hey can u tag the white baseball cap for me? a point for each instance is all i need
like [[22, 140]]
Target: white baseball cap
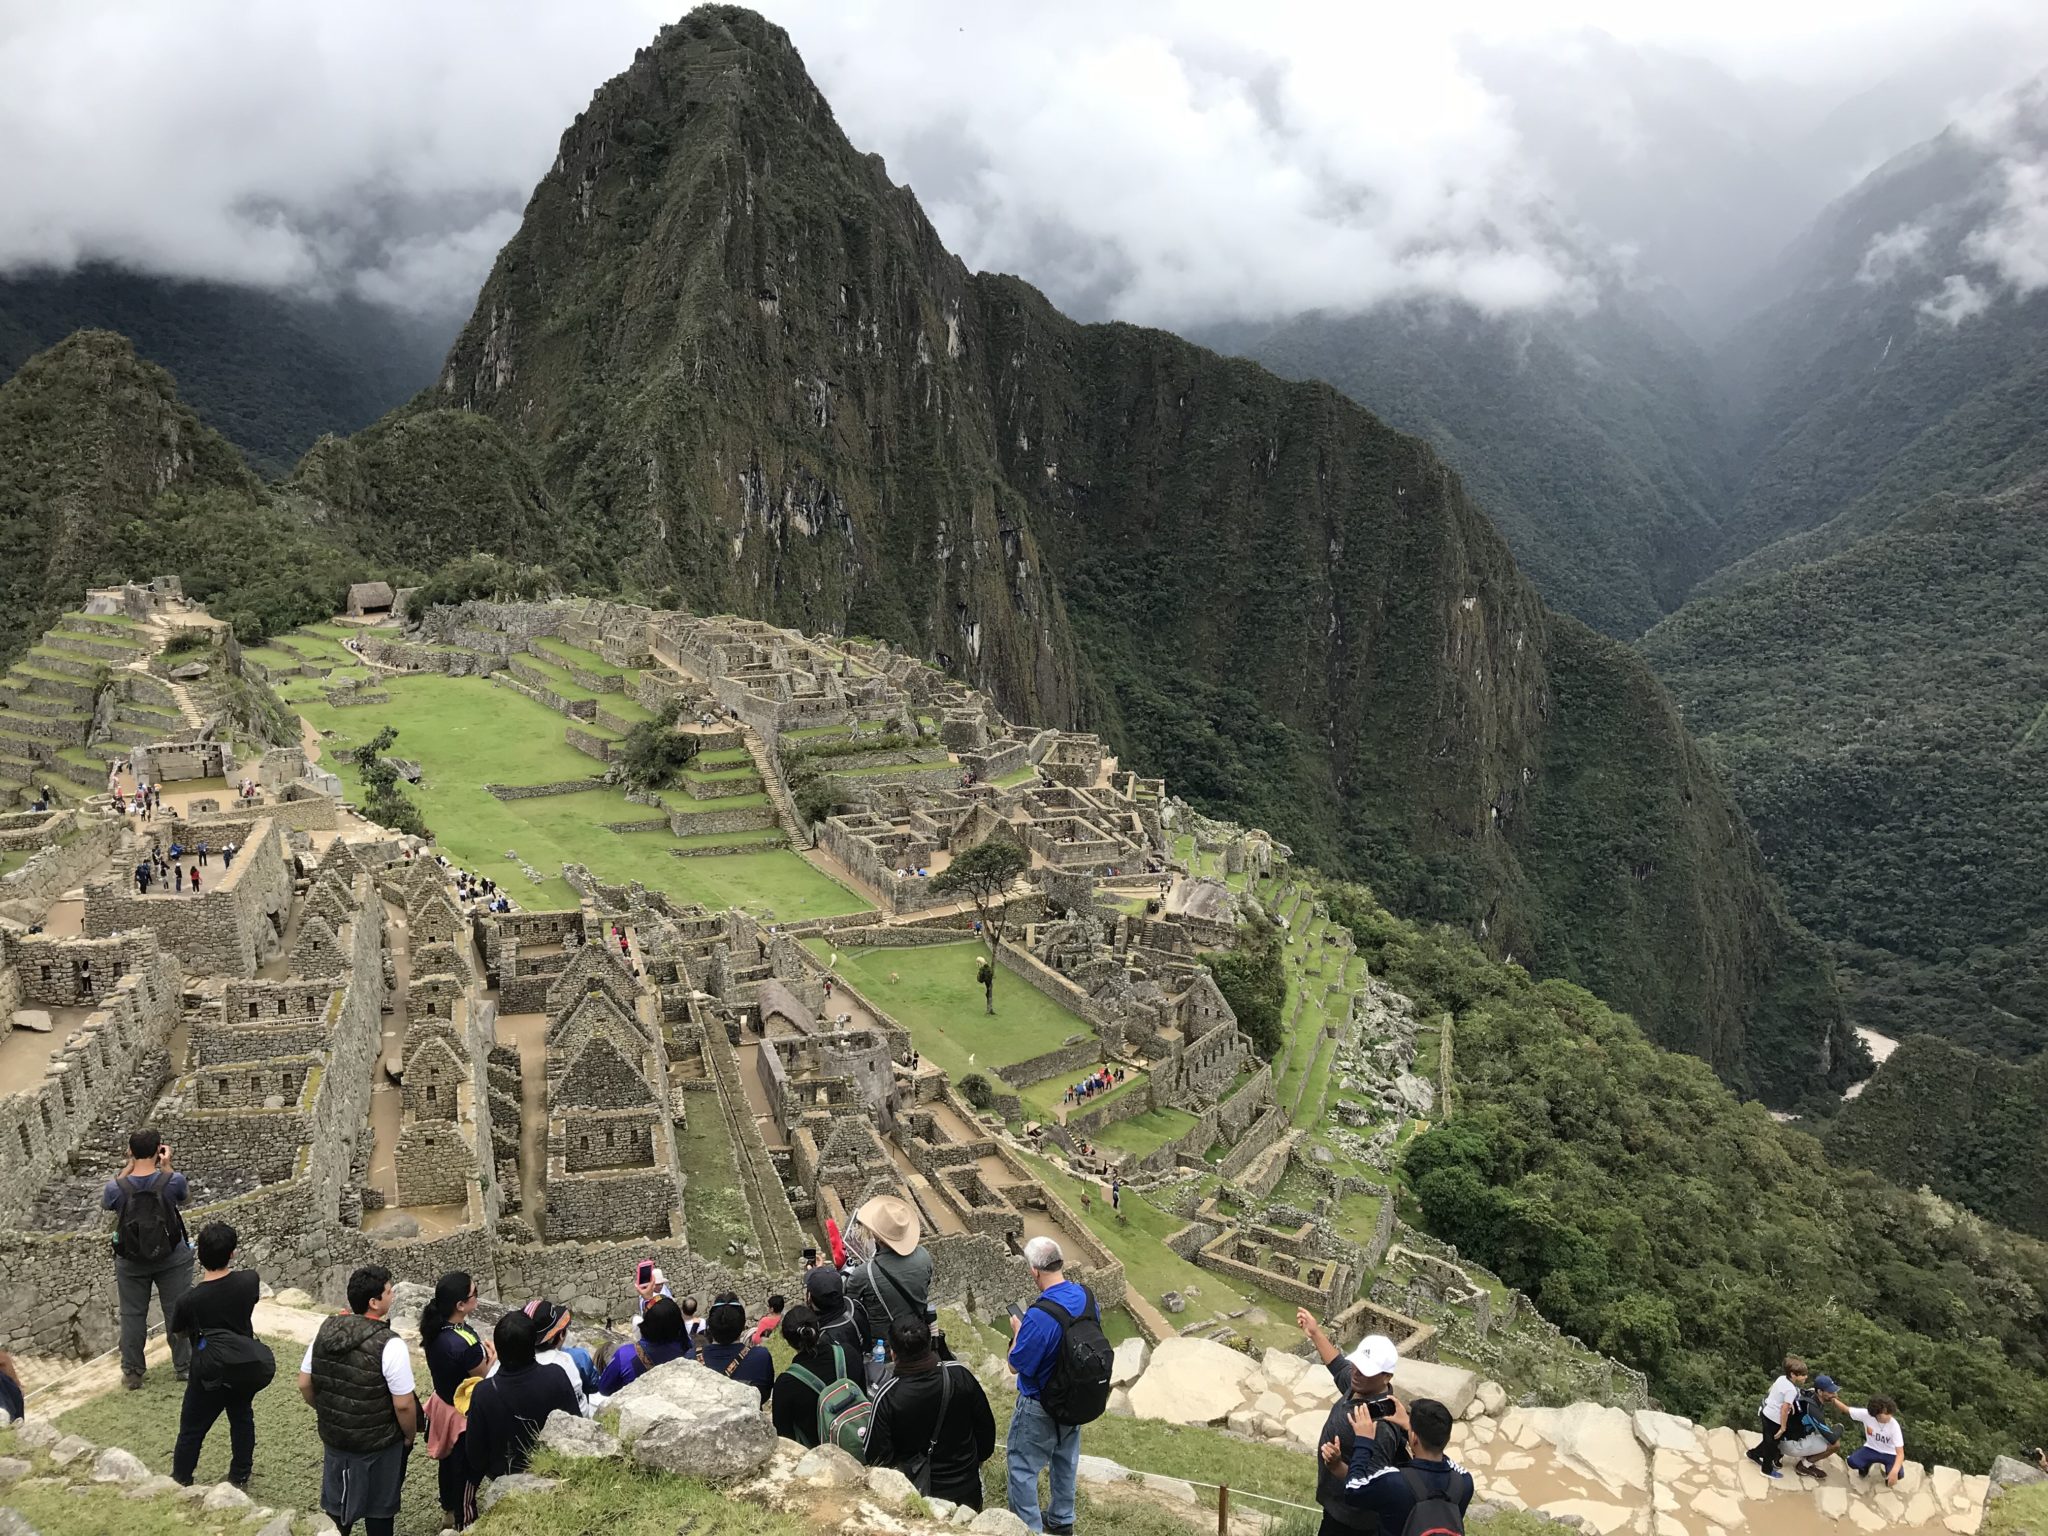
[[1375, 1356]]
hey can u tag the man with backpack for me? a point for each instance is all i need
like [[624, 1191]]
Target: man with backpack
[[150, 1249], [1428, 1495], [230, 1365], [1062, 1360]]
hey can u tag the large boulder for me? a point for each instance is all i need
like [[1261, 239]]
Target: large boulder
[[1600, 1442], [577, 1437], [114, 1465], [1448, 1384], [2008, 1473], [1129, 1362], [683, 1419], [1192, 1381], [1666, 1432], [1285, 1371], [510, 1486]]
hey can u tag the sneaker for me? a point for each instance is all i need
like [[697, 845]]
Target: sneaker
[[1774, 1474], [131, 1383]]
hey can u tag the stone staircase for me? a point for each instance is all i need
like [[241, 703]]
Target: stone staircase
[[47, 707]]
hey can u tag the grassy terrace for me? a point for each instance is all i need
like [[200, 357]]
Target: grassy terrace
[[587, 661], [714, 1208], [1146, 1133], [466, 732], [1044, 1097], [936, 998]]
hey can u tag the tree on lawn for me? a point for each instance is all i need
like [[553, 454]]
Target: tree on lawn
[[984, 875], [383, 801]]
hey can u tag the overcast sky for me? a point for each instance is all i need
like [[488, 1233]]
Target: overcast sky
[[1170, 163]]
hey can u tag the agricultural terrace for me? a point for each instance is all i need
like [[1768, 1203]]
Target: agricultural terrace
[[465, 732]]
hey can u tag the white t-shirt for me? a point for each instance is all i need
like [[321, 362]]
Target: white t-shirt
[[396, 1362], [560, 1358], [1782, 1392], [1885, 1439]]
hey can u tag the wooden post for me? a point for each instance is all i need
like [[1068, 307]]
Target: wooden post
[[1223, 1510]]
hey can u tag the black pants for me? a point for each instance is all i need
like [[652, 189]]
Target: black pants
[[202, 1406], [1768, 1455]]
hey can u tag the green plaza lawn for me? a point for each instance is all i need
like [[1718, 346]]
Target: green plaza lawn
[[936, 998], [466, 732]]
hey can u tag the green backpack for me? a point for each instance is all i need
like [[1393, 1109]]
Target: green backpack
[[843, 1407]]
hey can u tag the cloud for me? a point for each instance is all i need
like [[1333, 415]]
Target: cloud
[[2015, 241], [1168, 162], [1959, 299], [1891, 253]]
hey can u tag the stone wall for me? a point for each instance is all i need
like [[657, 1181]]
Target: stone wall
[[535, 791], [1076, 1056], [588, 744], [747, 818], [60, 867], [34, 829], [230, 929], [435, 1164], [605, 1204], [1046, 981]]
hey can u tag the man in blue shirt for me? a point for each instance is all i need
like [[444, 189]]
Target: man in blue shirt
[[169, 1270], [1391, 1492], [725, 1352], [1037, 1443]]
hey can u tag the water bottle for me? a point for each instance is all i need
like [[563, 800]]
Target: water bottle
[[881, 1355]]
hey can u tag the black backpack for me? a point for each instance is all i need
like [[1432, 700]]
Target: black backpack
[[232, 1362], [146, 1231], [1077, 1390], [1435, 1513]]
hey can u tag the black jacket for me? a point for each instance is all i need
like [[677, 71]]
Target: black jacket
[[506, 1412], [1330, 1485], [906, 1412], [351, 1399], [794, 1404]]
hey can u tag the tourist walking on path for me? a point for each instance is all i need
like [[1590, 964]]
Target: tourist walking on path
[[1061, 1358], [230, 1365], [456, 1361], [1364, 1379], [195, 879], [178, 870], [509, 1407], [1425, 1482], [931, 1420], [891, 1276], [358, 1377], [150, 1250], [1775, 1413]]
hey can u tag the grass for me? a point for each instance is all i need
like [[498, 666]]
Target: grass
[[938, 1000], [287, 1469], [13, 859], [1151, 1268], [466, 732], [714, 1208], [561, 651], [1015, 777], [1146, 1133]]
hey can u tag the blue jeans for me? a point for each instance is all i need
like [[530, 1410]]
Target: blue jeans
[[1037, 1443], [1863, 1459]]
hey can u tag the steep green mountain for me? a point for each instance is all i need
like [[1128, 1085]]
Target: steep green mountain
[[750, 376], [104, 475], [1962, 1123], [1889, 359], [1883, 717], [268, 371], [1590, 438]]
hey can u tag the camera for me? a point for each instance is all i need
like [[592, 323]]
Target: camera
[[1381, 1407]]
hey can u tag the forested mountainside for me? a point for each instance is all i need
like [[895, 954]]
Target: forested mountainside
[[751, 378], [1591, 439], [1899, 349], [1964, 1124], [1880, 715], [268, 371], [105, 475]]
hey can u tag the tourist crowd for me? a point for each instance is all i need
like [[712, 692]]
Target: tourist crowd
[[868, 1370]]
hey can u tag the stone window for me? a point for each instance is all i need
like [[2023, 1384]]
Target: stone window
[[433, 1093], [49, 973], [28, 1148], [221, 1083], [48, 1128], [65, 1083], [252, 1008], [280, 1007]]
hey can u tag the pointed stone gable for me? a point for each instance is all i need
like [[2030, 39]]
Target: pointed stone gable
[[343, 862], [435, 916], [1202, 1007], [593, 1015], [601, 1078], [593, 968], [316, 953], [434, 1075], [329, 898]]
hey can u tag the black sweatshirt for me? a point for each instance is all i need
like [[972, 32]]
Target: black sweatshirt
[[506, 1413], [907, 1409]]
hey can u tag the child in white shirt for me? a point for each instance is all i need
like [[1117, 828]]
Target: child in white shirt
[[1884, 1440]]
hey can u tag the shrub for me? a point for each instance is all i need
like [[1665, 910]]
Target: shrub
[[653, 752], [978, 1091]]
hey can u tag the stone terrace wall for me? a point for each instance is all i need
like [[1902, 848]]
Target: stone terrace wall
[[42, 1127], [59, 868], [1050, 983], [227, 930]]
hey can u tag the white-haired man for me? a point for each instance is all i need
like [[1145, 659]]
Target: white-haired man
[[1037, 1441]]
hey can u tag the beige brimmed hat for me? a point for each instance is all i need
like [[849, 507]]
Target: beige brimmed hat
[[893, 1220]]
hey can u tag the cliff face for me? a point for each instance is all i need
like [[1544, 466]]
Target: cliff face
[[751, 376]]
